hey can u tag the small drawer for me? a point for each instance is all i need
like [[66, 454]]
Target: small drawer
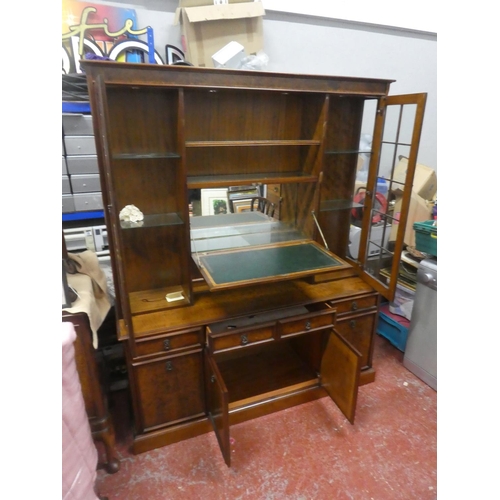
[[85, 183], [82, 164], [240, 337], [80, 145], [66, 187], [170, 342], [77, 124], [68, 204], [317, 320], [353, 305], [88, 201]]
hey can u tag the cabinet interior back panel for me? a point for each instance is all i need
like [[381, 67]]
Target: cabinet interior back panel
[[163, 251], [152, 185], [232, 115], [241, 160], [143, 120]]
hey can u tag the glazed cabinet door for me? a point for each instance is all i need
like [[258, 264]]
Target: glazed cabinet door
[[340, 370], [396, 137], [218, 405]]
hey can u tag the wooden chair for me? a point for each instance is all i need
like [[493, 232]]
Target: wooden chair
[[262, 205]]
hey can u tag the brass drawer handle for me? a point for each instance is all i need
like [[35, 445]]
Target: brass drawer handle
[[244, 340], [308, 325], [169, 367], [166, 344], [354, 306]]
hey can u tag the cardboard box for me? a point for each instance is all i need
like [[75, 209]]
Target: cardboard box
[[419, 210], [424, 182], [207, 28]]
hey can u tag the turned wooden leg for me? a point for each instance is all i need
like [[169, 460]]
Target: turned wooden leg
[[107, 437], [112, 464]]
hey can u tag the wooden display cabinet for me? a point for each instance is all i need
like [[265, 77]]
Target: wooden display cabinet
[[232, 316]]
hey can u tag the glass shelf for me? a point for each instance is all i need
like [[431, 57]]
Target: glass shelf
[[348, 152], [330, 205], [145, 156], [252, 143], [155, 220]]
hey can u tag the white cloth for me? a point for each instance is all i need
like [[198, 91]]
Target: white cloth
[[90, 284]]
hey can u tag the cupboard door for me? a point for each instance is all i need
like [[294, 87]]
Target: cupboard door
[[218, 406], [340, 369], [358, 331], [396, 136], [170, 389]]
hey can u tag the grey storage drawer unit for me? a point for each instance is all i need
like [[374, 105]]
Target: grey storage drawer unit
[[88, 183], [76, 124], [81, 181], [68, 204], [66, 187], [88, 201], [80, 145], [82, 164]]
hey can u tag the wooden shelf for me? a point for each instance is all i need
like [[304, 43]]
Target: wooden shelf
[[154, 300], [200, 182]]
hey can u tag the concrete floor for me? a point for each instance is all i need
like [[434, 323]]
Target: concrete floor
[[306, 452]]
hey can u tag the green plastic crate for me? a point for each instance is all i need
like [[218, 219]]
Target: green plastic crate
[[426, 237]]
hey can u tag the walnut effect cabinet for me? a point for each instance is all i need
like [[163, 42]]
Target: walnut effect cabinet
[[230, 316]]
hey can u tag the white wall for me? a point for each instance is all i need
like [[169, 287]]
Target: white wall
[[297, 43]]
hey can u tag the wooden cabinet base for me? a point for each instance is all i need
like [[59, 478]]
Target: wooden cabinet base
[[173, 434]]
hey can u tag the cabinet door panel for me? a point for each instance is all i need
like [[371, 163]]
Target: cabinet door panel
[[218, 406], [397, 132], [340, 369], [170, 389], [358, 331]]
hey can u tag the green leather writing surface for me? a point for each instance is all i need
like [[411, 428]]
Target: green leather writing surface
[[267, 262]]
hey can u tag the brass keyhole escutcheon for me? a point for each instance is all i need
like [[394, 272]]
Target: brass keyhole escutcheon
[[169, 366], [308, 325], [354, 306], [166, 344], [244, 340], [352, 324]]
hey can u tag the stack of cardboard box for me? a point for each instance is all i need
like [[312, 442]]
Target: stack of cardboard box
[[208, 26], [423, 196]]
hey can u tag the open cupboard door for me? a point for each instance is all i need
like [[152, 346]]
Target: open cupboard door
[[340, 370], [396, 139], [218, 406]]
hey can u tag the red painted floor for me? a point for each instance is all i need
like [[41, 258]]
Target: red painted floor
[[307, 452]]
